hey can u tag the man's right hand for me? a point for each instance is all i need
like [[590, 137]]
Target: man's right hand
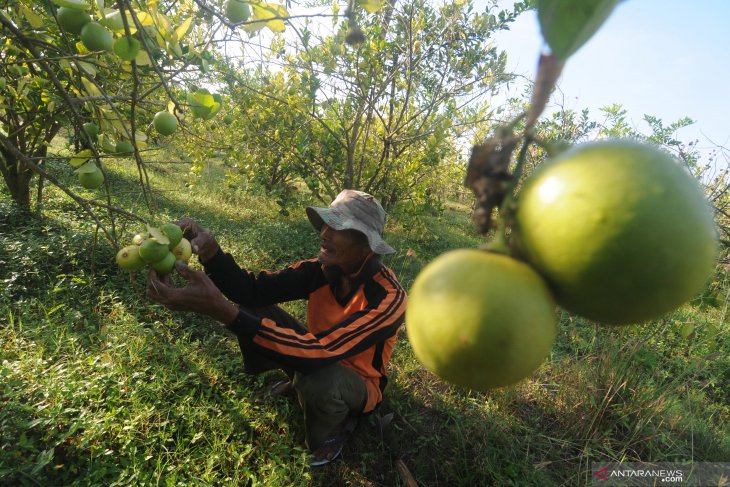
[[201, 240]]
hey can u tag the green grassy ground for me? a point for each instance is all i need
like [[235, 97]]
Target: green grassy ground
[[99, 386]]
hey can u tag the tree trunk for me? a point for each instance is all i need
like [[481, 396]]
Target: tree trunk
[[16, 174], [17, 178]]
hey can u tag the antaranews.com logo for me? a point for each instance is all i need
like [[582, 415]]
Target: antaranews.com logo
[[630, 474]]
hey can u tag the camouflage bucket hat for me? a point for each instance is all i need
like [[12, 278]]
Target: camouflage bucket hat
[[354, 210]]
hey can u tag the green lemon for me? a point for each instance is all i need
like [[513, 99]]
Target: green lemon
[[126, 48], [128, 258], [165, 123], [620, 230], [96, 37], [124, 148], [91, 180], [173, 232], [152, 251], [479, 319], [92, 130], [72, 19], [183, 251], [166, 264], [237, 11]]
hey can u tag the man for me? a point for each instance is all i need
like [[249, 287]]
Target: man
[[355, 308]]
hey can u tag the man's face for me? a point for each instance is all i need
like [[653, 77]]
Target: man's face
[[343, 248]]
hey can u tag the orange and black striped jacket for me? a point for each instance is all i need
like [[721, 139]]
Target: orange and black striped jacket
[[358, 331]]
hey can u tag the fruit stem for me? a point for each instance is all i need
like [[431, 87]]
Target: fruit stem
[[506, 209]]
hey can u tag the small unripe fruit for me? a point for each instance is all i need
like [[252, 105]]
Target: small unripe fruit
[[92, 130], [91, 180], [124, 148], [96, 37], [237, 11], [183, 251], [165, 123], [72, 20], [152, 251], [166, 264], [128, 258], [173, 232]]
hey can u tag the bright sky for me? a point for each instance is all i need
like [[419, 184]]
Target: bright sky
[[667, 58]]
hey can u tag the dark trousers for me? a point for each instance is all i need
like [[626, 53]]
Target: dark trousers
[[328, 396]]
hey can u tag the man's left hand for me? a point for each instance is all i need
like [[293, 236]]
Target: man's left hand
[[199, 295]]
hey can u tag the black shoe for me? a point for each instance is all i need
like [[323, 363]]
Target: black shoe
[[332, 447]]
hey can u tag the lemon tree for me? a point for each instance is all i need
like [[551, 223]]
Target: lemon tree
[[620, 230], [480, 319]]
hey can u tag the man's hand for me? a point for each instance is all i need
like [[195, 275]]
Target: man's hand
[[201, 240], [200, 295]]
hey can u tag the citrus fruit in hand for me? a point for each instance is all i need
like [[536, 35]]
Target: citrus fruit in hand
[[165, 123], [152, 251], [172, 232], [164, 265], [620, 230], [128, 258], [183, 250], [480, 319]]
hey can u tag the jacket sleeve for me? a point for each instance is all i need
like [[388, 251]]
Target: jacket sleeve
[[265, 288], [306, 351]]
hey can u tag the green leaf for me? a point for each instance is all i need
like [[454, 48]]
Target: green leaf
[[183, 29], [203, 104], [90, 87], [687, 330], [88, 67], [143, 59], [174, 48], [264, 11], [87, 167], [126, 48], [106, 143], [33, 18], [568, 24], [370, 6], [80, 158], [157, 234]]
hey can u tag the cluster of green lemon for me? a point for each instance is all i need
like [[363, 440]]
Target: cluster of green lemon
[[158, 247], [98, 35], [616, 231]]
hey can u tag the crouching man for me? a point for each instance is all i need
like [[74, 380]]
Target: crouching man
[[337, 361]]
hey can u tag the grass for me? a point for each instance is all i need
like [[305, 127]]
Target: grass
[[100, 386]]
